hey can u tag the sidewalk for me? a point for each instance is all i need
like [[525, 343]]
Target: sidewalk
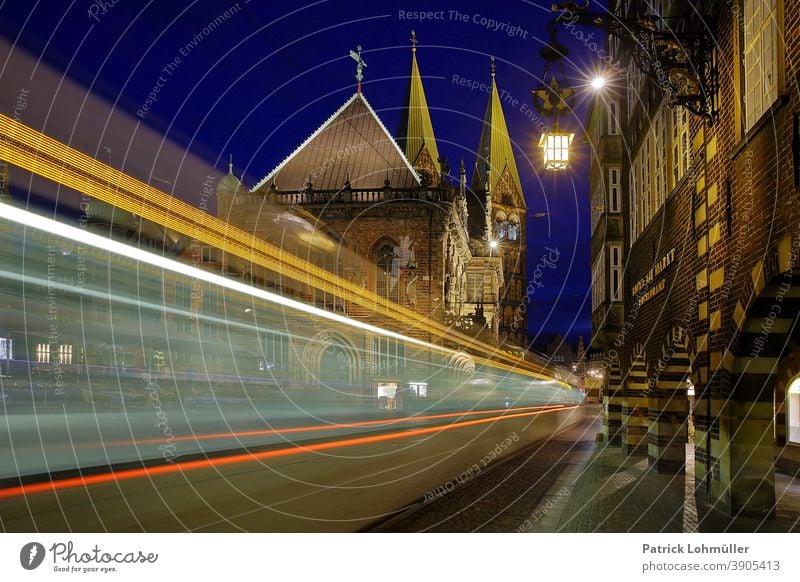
[[602, 490]]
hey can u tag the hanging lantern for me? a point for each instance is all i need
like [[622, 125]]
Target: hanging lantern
[[556, 149], [553, 100]]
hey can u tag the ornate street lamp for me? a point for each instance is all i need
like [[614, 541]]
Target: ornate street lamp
[[552, 100]]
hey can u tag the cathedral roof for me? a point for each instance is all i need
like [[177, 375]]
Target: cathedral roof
[[416, 129], [352, 144], [495, 155]]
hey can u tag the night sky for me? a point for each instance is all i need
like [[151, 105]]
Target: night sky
[[269, 74]]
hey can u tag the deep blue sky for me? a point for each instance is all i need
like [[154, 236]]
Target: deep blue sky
[[272, 72]]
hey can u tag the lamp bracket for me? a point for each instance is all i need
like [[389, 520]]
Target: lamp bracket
[[678, 57]]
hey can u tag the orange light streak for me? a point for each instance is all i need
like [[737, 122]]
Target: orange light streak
[[182, 467]]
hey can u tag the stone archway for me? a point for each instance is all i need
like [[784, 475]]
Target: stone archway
[[331, 360], [667, 433]]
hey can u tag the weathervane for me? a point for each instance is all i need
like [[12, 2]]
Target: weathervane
[[360, 64]]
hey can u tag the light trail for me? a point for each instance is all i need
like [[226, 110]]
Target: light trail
[[38, 153], [326, 427], [185, 466]]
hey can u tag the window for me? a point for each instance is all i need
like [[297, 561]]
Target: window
[[613, 118], [388, 354], [500, 226], [275, 348], [513, 228], [183, 295], [680, 144], [386, 284], [208, 254], [65, 354], [793, 412], [598, 281], [475, 287], [101, 311], [613, 189], [209, 329], [43, 353], [183, 324], [209, 301], [6, 348], [648, 177], [761, 55], [616, 272], [151, 303]]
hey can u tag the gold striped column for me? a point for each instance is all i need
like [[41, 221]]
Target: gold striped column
[[667, 433], [612, 406], [635, 405]]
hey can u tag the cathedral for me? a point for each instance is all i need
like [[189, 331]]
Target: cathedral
[[451, 249]]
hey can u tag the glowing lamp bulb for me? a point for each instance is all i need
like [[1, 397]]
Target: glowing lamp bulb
[[598, 83], [493, 244]]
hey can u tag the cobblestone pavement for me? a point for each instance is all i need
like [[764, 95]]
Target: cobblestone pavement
[[502, 499], [614, 493], [570, 484]]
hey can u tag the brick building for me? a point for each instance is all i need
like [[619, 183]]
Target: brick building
[[695, 248]]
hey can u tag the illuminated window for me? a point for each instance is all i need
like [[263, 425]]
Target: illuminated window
[[65, 354], [681, 153], [6, 348], [500, 226], [43, 353], [513, 228], [762, 51], [386, 284], [419, 388], [793, 412]]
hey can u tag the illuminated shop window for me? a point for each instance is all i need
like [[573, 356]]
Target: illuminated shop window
[[43, 353], [65, 354], [793, 411], [6, 348]]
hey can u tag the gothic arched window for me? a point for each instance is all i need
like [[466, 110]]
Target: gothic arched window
[[513, 228], [386, 276], [500, 226]]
